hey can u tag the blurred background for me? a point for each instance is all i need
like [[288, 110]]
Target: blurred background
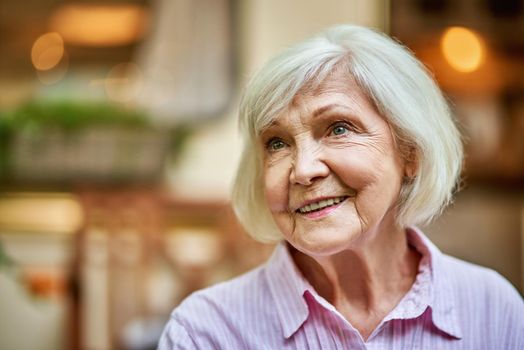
[[118, 144]]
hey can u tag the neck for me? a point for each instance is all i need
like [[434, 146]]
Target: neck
[[371, 277]]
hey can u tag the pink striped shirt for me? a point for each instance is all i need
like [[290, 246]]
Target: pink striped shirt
[[452, 305]]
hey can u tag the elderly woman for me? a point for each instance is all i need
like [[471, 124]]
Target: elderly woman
[[348, 144]]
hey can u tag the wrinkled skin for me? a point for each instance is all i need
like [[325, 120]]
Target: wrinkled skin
[[332, 142]]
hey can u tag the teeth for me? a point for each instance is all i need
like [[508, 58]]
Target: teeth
[[321, 204]]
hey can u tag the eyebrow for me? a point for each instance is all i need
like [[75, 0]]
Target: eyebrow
[[273, 123], [316, 112], [328, 107]]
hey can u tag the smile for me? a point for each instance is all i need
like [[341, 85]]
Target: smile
[[322, 204]]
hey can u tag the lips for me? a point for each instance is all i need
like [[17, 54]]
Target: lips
[[321, 204]]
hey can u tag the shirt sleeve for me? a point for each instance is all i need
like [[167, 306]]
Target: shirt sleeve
[[175, 336]]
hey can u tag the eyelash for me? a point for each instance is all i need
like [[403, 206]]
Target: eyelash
[[347, 126], [338, 124], [271, 141]]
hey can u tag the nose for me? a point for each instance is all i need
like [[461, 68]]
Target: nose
[[308, 167]]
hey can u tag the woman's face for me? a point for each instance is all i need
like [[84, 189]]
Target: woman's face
[[332, 171]]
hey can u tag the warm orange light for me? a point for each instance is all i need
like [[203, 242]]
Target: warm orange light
[[57, 73], [463, 49], [47, 51], [33, 212], [99, 25]]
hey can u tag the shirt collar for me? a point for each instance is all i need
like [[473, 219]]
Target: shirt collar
[[431, 289], [441, 298], [287, 286]]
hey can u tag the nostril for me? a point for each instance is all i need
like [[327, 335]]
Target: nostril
[[308, 164]]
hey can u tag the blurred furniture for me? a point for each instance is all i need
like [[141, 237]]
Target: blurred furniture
[[37, 231], [112, 262], [140, 253]]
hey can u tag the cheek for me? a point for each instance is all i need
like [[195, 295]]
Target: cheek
[[354, 169], [276, 187], [368, 172]]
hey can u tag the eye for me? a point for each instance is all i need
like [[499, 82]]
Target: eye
[[275, 144], [340, 129]]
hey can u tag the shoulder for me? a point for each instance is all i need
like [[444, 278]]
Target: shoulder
[[228, 295], [213, 317], [176, 336], [484, 283], [487, 301]]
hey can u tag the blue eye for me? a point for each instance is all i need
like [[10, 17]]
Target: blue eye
[[275, 144], [339, 130]]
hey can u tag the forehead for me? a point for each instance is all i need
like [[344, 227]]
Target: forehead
[[336, 82], [337, 90]]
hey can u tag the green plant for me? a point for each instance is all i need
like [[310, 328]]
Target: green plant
[[70, 115], [35, 118]]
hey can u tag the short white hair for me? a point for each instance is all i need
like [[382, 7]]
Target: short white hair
[[404, 93]]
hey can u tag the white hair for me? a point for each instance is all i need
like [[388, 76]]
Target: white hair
[[403, 92]]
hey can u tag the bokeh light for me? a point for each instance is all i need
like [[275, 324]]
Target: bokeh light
[[463, 49], [99, 25], [47, 51], [53, 212], [55, 74]]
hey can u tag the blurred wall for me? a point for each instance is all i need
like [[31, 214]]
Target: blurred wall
[[268, 26]]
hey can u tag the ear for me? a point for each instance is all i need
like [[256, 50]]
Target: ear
[[411, 163]]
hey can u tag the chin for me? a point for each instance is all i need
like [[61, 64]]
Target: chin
[[323, 242]]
